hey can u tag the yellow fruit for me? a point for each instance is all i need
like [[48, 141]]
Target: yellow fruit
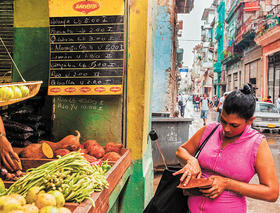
[[18, 197], [60, 201], [7, 93], [1, 96], [45, 199], [2, 186], [32, 194], [64, 210], [17, 92], [49, 209], [16, 211], [30, 208], [8, 204], [24, 90]]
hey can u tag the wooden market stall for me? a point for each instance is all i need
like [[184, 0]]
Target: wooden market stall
[[117, 177], [80, 50]]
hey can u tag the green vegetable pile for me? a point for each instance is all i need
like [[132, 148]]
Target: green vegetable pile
[[72, 175]]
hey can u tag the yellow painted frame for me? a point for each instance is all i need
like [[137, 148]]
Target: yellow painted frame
[[139, 78]]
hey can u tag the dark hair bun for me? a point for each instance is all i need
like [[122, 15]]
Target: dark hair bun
[[247, 89]]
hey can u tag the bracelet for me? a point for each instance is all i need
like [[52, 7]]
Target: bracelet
[[2, 134]]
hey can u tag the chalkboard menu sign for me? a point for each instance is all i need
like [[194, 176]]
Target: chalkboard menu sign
[[86, 52]]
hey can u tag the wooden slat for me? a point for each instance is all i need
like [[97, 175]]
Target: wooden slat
[[7, 34]]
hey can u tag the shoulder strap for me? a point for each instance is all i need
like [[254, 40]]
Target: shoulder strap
[[204, 142]]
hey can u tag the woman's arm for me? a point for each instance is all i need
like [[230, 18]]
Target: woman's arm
[[185, 153], [7, 154], [267, 189]]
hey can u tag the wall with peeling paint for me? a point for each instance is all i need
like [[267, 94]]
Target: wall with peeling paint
[[163, 54]]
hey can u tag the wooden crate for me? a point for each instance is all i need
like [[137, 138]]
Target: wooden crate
[[101, 199]]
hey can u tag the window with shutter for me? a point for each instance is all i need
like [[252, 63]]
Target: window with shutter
[[7, 35]]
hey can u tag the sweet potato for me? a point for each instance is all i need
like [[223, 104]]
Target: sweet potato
[[113, 147], [96, 151], [111, 156], [47, 150], [61, 152], [89, 158], [38, 151], [89, 143], [70, 142], [85, 151]]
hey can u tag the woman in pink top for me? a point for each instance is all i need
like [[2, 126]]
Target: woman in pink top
[[231, 157]]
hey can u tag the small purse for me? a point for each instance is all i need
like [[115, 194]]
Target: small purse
[[168, 198]]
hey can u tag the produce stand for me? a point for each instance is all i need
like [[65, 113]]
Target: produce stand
[[117, 176]]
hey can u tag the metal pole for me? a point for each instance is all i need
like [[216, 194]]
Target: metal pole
[[12, 60]]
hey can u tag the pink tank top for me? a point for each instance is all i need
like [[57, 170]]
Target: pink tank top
[[236, 161]]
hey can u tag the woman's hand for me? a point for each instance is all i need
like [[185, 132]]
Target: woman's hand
[[191, 169], [9, 157], [218, 186]]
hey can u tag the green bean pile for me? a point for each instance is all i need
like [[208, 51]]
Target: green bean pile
[[72, 175]]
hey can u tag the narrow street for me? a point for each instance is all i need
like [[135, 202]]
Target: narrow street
[[254, 206]]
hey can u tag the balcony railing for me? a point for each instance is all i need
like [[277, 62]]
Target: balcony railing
[[229, 51], [271, 20]]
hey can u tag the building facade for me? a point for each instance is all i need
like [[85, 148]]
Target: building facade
[[165, 43], [268, 37]]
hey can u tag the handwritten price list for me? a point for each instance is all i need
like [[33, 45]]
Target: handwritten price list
[[86, 55]]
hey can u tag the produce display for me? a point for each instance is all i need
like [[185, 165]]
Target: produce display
[[70, 142], [42, 202], [78, 171], [91, 149], [72, 175], [13, 92]]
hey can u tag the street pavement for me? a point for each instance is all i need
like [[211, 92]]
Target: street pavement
[[253, 205]]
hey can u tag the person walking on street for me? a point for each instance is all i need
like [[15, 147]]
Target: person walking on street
[[268, 100], [204, 106], [220, 106], [182, 104], [278, 103], [233, 155], [197, 101], [216, 101]]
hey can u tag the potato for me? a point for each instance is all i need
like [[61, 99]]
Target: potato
[[111, 156], [61, 152], [113, 147]]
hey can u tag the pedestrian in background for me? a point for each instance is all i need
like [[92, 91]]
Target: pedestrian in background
[[216, 101], [278, 103], [220, 106], [268, 100], [204, 107], [232, 156], [197, 101], [182, 104]]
